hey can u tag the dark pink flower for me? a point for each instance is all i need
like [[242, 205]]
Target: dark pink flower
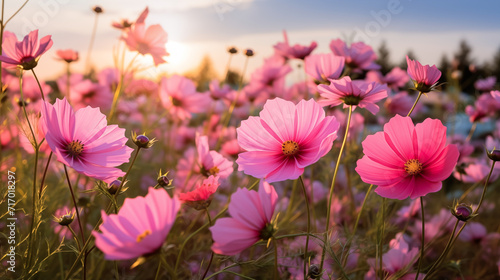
[[425, 77], [358, 56], [496, 95], [84, 141], [296, 51], [324, 66], [401, 103], [406, 160], [356, 93], [251, 220], [395, 79], [147, 41], [201, 196], [140, 227], [284, 139], [25, 53], [68, 55]]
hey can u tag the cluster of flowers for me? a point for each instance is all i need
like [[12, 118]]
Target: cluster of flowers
[[202, 134]]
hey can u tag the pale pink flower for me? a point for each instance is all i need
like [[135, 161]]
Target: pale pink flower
[[324, 66], [496, 95], [147, 41], [125, 23], [141, 87], [31, 90], [485, 84], [476, 170], [484, 106], [201, 196], [296, 51], [140, 227], [251, 220], [25, 53], [406, 160], [401, 103], [399, 257], [67, 55], [179, 96], [358, 56], [87, 93], [266, 79], [285, 139], [218, 90], [355, 93], [425, 77], [84, 141], [473, 232], [395, 79]]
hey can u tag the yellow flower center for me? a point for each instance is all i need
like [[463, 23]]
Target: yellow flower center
[[75, 148], [290, 148], [214, 171], [413, 167], [141, 236]]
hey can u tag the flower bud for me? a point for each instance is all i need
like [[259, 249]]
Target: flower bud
[[113, 186], [232, 50], [65, 219], [97, 9], [163, 180], [142, 141], [314, 272], [494, 154], [249, 52], [463, 212]]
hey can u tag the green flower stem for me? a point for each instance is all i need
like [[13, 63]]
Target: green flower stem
[[276, 271], [212, 253], [125, 178], [422, 245], [471, 131], [44, 175], [415, 104], [429, 272], [308, 227], [333, 186], [39, 85]]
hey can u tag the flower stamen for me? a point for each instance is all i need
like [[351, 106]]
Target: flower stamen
[[143, 235], [413, 167], [75, 148], [290, 148]]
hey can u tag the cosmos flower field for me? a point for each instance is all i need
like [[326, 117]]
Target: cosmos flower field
[[345, 171]]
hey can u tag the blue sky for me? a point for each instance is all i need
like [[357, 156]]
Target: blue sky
[[199, 27]]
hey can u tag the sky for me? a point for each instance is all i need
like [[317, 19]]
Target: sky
[[208, 27]]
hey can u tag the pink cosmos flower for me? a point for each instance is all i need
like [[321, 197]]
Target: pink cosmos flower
[[125, 23], [399, 257], [68, 55], [285, 139], [206, 164], [485, 84], [484, 106], [265, 79], [358, 56], [251, 214], [425, 77], [87, 93], [179, 96], [473, 232], [147, 41], [401, 103], [201, 196], [84, 141], [395, 79], [324, 66], [140, 227], [141, 87], [296, 51], [496, 95], [25, 53], [406, 160], [356, 93]]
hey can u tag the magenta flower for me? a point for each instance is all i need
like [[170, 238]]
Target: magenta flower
[[179, 96], [140, 227], [324, 66], [201, 197], [25, 53], [251, 213], [496, 95], [356, 93], [425, 77], [406, 160], [84, 141], [486, 84], [296, 51], [358, 56], [147, 41], [395, 79], [285, 139]]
